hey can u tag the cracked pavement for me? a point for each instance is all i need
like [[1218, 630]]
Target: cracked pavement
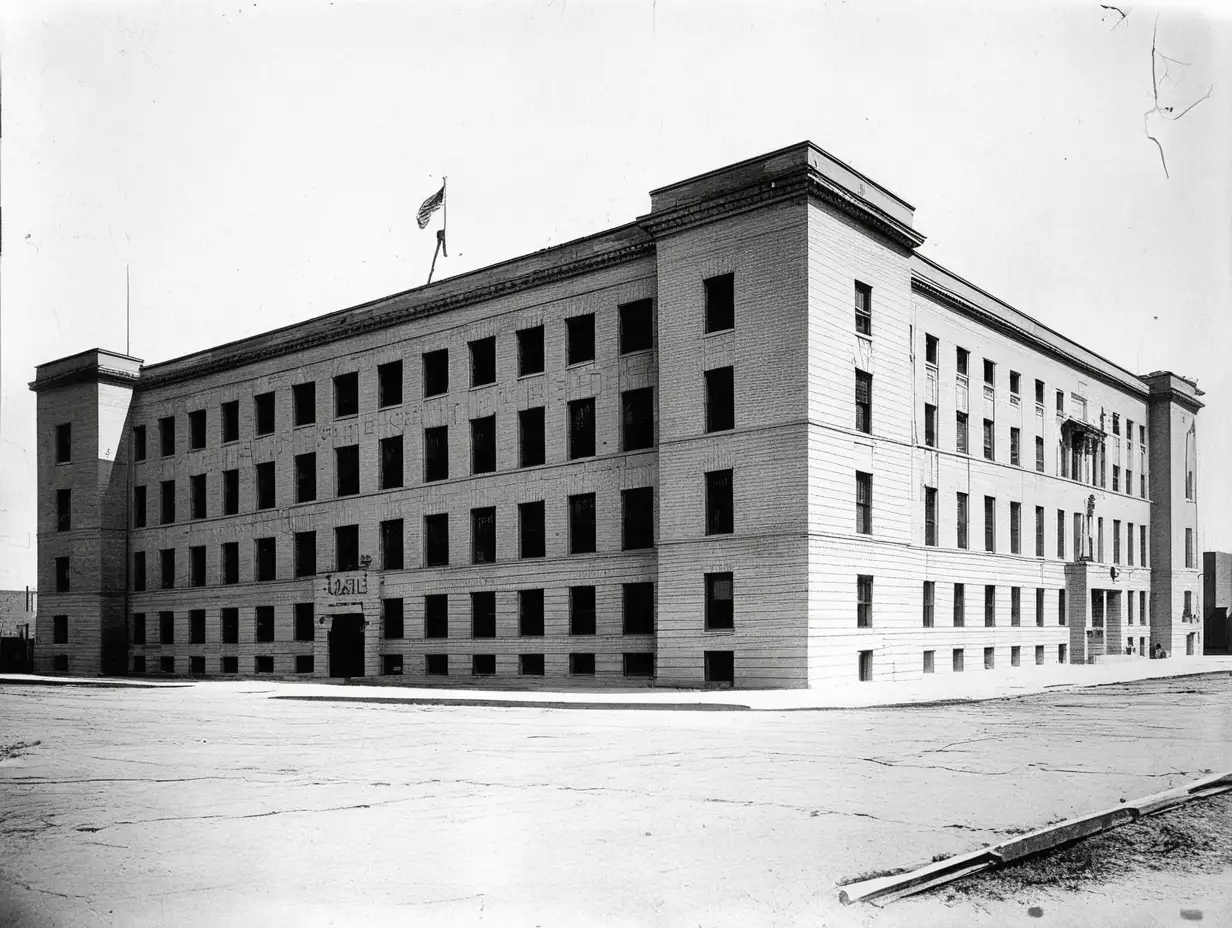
[[217, 805]]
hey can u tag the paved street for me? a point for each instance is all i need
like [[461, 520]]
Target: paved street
[[217, 804]]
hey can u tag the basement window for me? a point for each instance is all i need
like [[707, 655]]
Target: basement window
[[720, 666], [264, 663], [436, 665], [391, 664], [305, 663]]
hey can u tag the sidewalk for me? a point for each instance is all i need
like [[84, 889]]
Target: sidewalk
[[972, 686]]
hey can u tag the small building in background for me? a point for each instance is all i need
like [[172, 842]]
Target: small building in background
[[1217, 595], [18, 628]]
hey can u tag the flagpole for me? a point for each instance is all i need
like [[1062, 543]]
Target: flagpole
[[440, 236], [432, 269], [127, 315]]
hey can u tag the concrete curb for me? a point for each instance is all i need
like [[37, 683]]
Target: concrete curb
[[888, 888], [468, 702]]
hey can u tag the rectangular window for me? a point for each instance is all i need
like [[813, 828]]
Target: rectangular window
[[196, 565], [530, 437], [719, 611], [990, 606], [640, 665], [990, 523], [266, 566], [719, 666], [930, 349], [962, 358], [864, 402], [580, 339], [531, 529], [263, 413], [483, 445], [166, 664], [1039, 607], [1039, 531], [392, 619], [436, 665], [436, 616], [930, 425], [1015, 605], [436, 453], [1100, 527], [167, 509], [720, 302], [962, 443], [196, 626], [59, 629], [530, 665], [1188, 547], [1015, 528], [139, 628], [1116, 541], [637, 419], [1060, 402], [1129, 544], [230, 421], [196, 496], [1039, 654], [1060, 607], [305, 554], [263, 663], [638, 609], [530, 351], [1187, 610], [346, 547], [637, 518], [864, 309], [166, 436], [930, 602], [581, 610], [864, 601], [1015, 383], [929, 657], [1142, 545], [582, 664], [230, 620], [139, 443], [1015, 447], [138, 570], [719, 503], [306, 663], [582, 524], [1060, 534], [346, 463], [864, 503], [990, 440], [436, 540], [1129, 482], [1116, 479], [435, 372], [963, 520], [391, 462], [581, 428], [1039, 453], [64, 510], [720, 399], [1129, 602], [265, 624], [304, 403], [166, 628], [530, 613], [1061, 654], [306, 477], [1039, 393], [636, 326], [990, 372], [196, 429], [265, 485], [231, 562], [230, 492], [483, 535], [483, 615], [391, 545], [865, 667], [389, 384], [930, 516], [166, 568], [960, 605], [346, 395], [958, 660], [989, 658]]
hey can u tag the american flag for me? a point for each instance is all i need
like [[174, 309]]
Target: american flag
[[430, 206]]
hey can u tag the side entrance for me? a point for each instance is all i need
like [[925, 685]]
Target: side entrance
[[346, 645]]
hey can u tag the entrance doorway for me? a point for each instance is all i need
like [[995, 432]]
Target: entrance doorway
[[346, 646]]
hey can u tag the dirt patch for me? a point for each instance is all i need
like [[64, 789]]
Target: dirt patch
[[1196, 837], [17, 748]]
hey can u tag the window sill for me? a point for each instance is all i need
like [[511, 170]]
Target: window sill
[[726, 331], [348, 416], [529, 374], [576, 364], [637, 351]]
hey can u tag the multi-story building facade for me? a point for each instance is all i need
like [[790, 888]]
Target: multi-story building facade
[[752, 438]]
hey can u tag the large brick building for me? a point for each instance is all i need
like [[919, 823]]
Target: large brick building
[[751, 437]]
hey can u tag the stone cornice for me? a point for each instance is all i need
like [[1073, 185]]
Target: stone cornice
[[786, 186], [1005, 326], [380, 314], [85, 375]]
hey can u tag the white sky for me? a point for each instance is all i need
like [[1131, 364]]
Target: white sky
[[261, 163]]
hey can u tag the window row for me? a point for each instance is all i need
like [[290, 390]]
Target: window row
[[864, 660]]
